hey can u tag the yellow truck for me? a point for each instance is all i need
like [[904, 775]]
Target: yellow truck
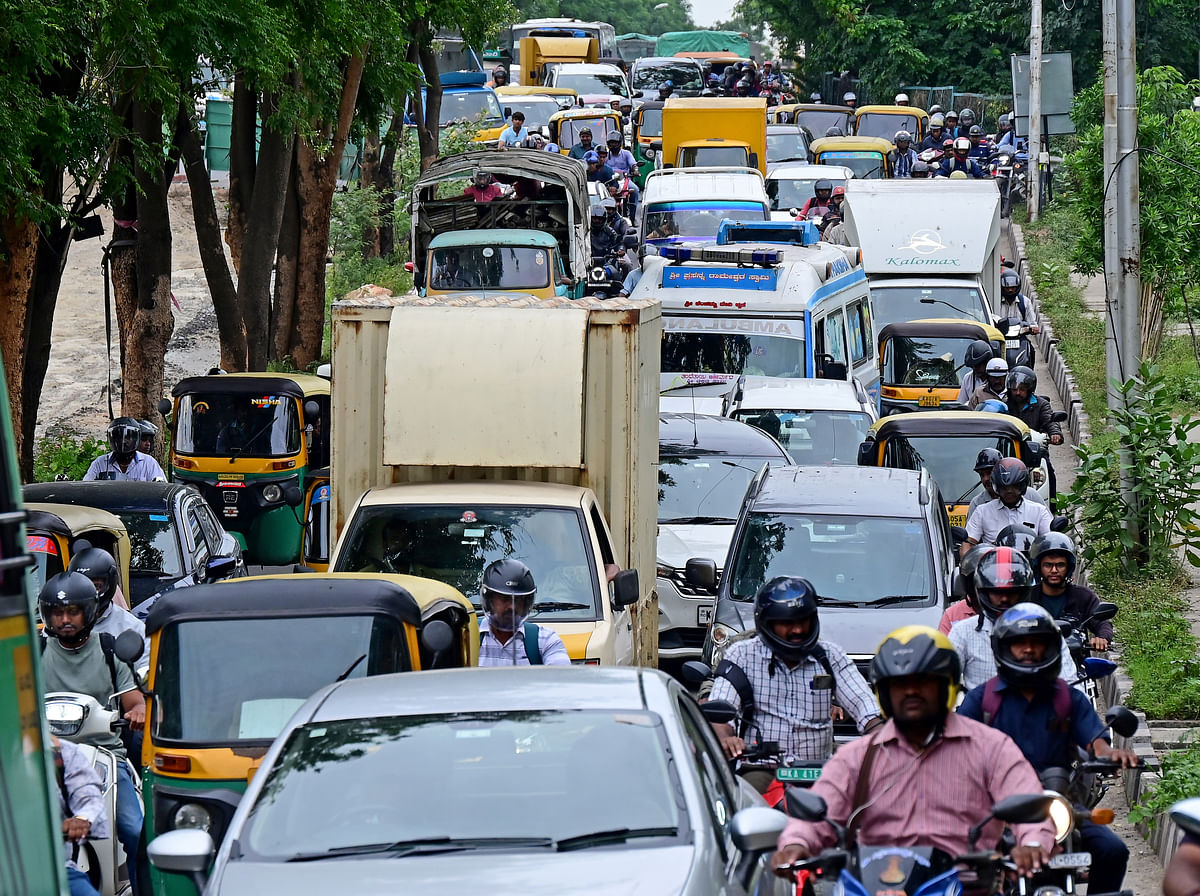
[[709, 131], [538, 52]]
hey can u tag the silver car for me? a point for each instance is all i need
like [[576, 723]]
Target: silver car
[[528, 780]]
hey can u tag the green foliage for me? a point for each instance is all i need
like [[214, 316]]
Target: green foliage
[[353, 212], [65, 455], [1180, 780], [1164, 476]]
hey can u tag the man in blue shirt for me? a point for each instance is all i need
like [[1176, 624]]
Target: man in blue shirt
[[516, 132], [1048, 720]]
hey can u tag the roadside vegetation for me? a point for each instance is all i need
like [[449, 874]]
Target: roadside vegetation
[[62, 454]]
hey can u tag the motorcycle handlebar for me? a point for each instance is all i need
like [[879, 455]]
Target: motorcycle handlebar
[[1099, 766]]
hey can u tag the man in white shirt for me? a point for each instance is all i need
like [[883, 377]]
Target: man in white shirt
[[1010, 479], [516, 132], [125, 461], [985, 462], [508, 593]]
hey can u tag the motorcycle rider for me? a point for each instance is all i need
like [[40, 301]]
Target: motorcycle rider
[[985, 462], [149, 434], [1004, 132], [625, 166], [773, 678], [819, 204], [665, 89], [1003, 578], [926, 771], [515, 134], [951, 120], [597, 171], [967, 605], [608, 231], [901, 99], [125, 461], [960, 161], [1049, 720], [75, 661], [499, 77], [1010, 479], [834, 226], [1053, 559], [81, 802], [1014, 303], [112, 611], [966, 120], [1034, 411], [933, 140], [507, 593], [975, 359], [903, 157], [849, 98], [995, 373], [981, 148]]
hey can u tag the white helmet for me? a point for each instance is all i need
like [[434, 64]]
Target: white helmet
[[997, 367], [902, 99]]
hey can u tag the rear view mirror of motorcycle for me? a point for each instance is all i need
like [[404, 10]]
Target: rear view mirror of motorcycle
[[719, 712], [1097, 667], [129, 646], [1061, 524], [1058, 416], [1122, 721], [804, 804], [1186, 814], [1105, 610], [1024, 808], [695, 673]]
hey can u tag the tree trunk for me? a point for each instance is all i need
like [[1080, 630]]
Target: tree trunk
[[230, 328], [428, 108], [18, 260], [386, 184], [122, 266], [243, 138], [368, 175], [286, 268]]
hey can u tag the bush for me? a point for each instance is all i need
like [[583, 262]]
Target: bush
[[65, 456], [1180, 780]]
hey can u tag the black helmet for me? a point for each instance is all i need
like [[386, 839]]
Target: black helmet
[[1027, 620], [1021, 376], [1010, 285], [834, 131], [978, 352], [976, 131], [1052, 543], [98, 565], [124, 434], [967, 118], [1010, 472], [1020, 538], [69, 589], [915, 650], [987, 459], [500, 71], [787, 599], [823, 185], [512, 579], [964, 585], [1002, 569]]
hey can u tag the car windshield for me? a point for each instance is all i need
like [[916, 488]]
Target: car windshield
[[600, 126], [951, 461], [789, 146], [650, 123], [697, 156], [813, 437], [491, 267], [849, 559], [537, 110], [649, 76], [152, 539], [214, 684], [48, 562], [453, 544], [221, 424], [819, 121], [594, 82], [933, 361], [886, 124], [710, 350], [705, 487], [864, 163], [452, 782], [893, 304], [470, 105], [787, 193], [699, 219]]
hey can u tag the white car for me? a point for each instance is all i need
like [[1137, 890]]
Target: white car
[[790, 185]]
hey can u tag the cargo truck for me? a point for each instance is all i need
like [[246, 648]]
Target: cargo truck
[[472, 427], [705, 132]]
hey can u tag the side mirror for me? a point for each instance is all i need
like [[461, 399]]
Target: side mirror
[[325, 371], [701, 573], [292, 496], [1186, 814], [629, 241], [508, 111], [626, 589], [1105, 611], [756, 830], [957, 532], [164, 407], [695, 673], [183, 851], [1121, 721], [719, 712], [1061, 524], [753, 160], [218, 568], [865, 450], [1097, 667], [129, 646], [1027, 808], [437, 637], [1058, 416], [805, 805]]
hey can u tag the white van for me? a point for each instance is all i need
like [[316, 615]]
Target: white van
[[688, 204]]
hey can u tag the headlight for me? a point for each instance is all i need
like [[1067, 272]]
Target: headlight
[[1062, 815], [272, 493], [192, 815]]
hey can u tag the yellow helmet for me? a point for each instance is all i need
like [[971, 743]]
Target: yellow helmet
[[915, 650]]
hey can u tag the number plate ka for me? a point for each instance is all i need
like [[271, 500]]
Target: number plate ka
[[797, 774], [1071, 860], [929, 401]]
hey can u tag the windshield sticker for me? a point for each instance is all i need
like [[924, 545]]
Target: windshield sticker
[[160, 518], [41, 544], [468, 517], [720, 278], [473, 533], [267, 401]]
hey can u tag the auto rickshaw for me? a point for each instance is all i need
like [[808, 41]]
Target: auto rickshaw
[[231, 662], [817, 117], [247, 442], [566, 125], [52, 530], [868, 156], [885, 121], [921, 362], [946, 443]]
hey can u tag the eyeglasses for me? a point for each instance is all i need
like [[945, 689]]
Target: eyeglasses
[[1054, 564]]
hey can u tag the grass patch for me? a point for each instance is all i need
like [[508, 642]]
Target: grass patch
[[1180, 780], [1177, 360], [65, 455]]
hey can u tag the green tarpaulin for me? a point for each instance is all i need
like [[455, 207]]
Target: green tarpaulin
[[702, 42]]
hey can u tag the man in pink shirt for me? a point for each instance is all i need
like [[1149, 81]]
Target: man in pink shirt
[[932, 773]]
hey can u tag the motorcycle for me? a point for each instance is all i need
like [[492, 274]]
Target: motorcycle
[[1008, 166], [624, 195], [606, 274], [1075, 634], [1018, 349]]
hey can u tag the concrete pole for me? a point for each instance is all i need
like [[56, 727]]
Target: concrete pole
[[1035, 110], [1112, 319]]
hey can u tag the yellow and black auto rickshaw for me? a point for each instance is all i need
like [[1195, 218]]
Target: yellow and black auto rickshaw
[[231, 662], [921, 362], [52, 530], [248, 442]]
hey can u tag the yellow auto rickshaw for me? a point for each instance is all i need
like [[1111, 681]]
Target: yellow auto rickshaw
[[867, 156], [817, 117], [946, 443], [566, 97], [231, 662], [921, 362], [246, 442], [885, 121], [566, 125], [52, 530]]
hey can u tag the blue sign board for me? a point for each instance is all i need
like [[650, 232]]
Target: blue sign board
[[720, 278]]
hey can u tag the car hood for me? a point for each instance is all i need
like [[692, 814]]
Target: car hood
[[857, 630], [678, 542], [632, 872]]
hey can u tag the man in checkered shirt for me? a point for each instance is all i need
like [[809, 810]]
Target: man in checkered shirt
[[793, 677], [507, 638]]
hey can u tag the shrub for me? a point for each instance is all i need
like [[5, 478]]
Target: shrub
[[65, 455]]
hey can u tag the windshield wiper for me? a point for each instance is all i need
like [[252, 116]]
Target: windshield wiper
[[561, 605], [424, 846], [682, 520], [891, 599], [353, 666], [618, 835], [963, 497]]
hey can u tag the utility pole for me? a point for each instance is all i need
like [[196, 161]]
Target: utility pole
[[1035, 110], [1112, 317]]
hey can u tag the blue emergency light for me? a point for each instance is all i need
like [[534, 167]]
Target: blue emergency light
[[739, 256], [792, 233]]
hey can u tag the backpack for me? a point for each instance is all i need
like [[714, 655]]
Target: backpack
[[533, 649], [992, 699], [736, 676]]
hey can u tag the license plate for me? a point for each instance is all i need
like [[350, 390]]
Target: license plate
[[929, 401], [1012, 343], [797, 774], [958, 519], [1071, 860], [704, 615]]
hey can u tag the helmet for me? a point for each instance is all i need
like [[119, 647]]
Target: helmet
[[482, 178], [935, 109], [967, 118], [964, 585], [915, 650], [902, 137], [815, 96], [992, 406], [849, 97], [1052, 543], [951, 114], [919, 169], [1010, 285], [1010, 472], [511, 579], [500, 71], [834, 131], [614, 137], [1027, 620], [551, 147], [70, 589], [976, 131], [1021, 376], [936, 121], [787, 599], [608, 204], [1002, 569], [823, 184], [124, 434], [591, 156], [597, 210], [1012, 537], [977, 353], [667, 85], [1002, 121], [901, 99], [962, 144], [996, 367], [97, 564], [987, 459]]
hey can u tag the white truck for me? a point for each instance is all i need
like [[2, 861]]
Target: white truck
[[472, 427], [930, 247]]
